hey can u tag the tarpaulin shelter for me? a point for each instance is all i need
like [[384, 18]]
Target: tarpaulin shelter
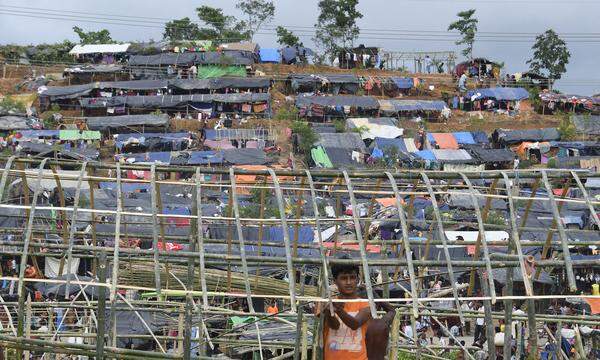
[[403, 83], [194, 58], [330, 83], [372, 128], [196, 157], [240, 46], [363, 102], [442, 141], [99, 49], [480, 138], [10, 122], [152, 141], [219, 144], [73, 135], [270, 55], [397, 105], [484, 155], [293, 54], [464, 138], [507, 137], [320, 158], [499, 94], [452, 155], [350, 141], [172, 101], [587, 124], [425, 155], [398, 144], [104, 123], [245, 156]]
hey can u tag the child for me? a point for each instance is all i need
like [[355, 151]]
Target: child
[[345, 330]]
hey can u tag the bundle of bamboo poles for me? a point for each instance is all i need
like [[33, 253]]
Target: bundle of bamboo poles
[[142, 274]]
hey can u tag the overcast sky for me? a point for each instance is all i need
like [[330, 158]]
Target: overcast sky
[[514, 16]]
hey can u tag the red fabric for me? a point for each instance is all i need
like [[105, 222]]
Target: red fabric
[[170, 246], [594, 305]]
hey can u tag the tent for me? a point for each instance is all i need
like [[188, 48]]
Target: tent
[[350, 141], [245, 156], [396, 105], [172, 101], [499, 94], [270, 55], [464, 138], [228, 58], [452, 155], [403, 83], [507, 137], [375, 127], [425, 155], [480, 138], [492, 155]]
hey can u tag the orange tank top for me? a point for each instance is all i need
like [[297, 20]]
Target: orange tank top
[[345, 343]]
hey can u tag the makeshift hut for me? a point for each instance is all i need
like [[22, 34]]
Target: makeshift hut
[[432, 110], [328, 107]]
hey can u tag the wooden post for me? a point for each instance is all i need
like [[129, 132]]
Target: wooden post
[[531, 325], [101, 315]]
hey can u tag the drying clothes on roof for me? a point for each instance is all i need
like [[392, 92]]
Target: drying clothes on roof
[[375, 127], [499, 94], [114, 122], [363, 102], [442, 140]]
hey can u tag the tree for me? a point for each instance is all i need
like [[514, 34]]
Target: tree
[[220, 27], [550, 55], [336, 26], [258, 12], [286, 37], [93, 37], [182, 29], [467, 27]]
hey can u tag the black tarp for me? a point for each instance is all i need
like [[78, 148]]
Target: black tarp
[[221, 83], [246, 156], [58, 290], [364, 102], [503, 136], [484, 155], [192, 58], [349, 141], [172, 101], [114, 122]]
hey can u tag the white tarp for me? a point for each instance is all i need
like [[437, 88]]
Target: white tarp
[[99, 49], [463, 168], [452, 237], [375, 128], [52, 266], [68, 179]]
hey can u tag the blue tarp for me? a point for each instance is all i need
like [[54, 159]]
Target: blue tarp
[[205, 157], [125, 186], [415, 105], [500, 93], [382, 144], [403, 83], [162, 157], [270, 55], [305, 234], [39, 133], [425, 155], [464, 137], [480, 137]]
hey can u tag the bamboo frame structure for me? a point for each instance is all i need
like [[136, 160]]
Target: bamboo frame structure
[[187, 289]]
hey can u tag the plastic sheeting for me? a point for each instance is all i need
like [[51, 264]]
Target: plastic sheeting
[[516, 136], [191, 58], [11, 122], [395, 105], [99, 49], [351, 141], [363, 102], [452, 155], [500, 94], [114, 122], [425, 155], [375, 127], [245, 156], [464, 137], [218, 144], [403, 83], [492, 155], [172, 101], [480, 137], [587, 124], [443, 140], [270, 55], [320, 158], [383, 144]]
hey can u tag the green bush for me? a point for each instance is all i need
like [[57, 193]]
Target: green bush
[[287, 112], [340, 125], [306, 134], [10, 104]]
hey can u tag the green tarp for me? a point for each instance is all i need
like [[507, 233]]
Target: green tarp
[[72, 135], [205, 72], [320, 157]]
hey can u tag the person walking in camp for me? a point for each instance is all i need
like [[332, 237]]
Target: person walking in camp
[[428, 63], [462, 82], [479, 325]]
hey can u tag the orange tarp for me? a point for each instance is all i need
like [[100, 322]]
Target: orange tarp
[[594, 305], [386, 202], [246, 180], [445, 140]]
